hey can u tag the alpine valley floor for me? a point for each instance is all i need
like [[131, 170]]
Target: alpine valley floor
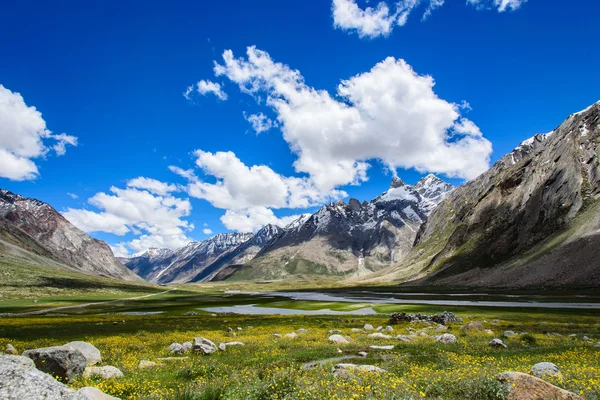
[[271, 367]]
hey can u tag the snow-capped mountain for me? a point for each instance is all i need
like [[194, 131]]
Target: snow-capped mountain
[[239, 255], [182, 265], [38, 232], [351, 238]]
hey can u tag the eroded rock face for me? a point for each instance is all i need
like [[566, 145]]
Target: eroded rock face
[[61, 362], [526, 197], [526, 387]]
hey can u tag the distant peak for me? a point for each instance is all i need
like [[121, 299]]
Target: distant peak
[[396, 183]]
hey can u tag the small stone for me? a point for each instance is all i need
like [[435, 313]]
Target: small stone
[[368, 327], [585, 338], [363, 354], [338, 339], [389, 329], [356, 330], [176, 348], [223, 346], [473, 326], [391, 347], [105, 372], [187, 346], [497, 343], [239, 328], [92, 393], [204, 345], [302, 330], [489, 332], [332, 331], [277, 335], [230, 329], [379, 328], [341, 370], [379, 335], [447, 338], [545, 369], [291, 335], [403, 338], [10, 350], [508, 334], [145, 364]]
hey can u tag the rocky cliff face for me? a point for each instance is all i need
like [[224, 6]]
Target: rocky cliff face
[[35, 226], [350, 239], [513, 215]]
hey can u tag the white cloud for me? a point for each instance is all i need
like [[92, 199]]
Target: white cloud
[[204, 87], [157, 219], [24, 137], [373, 22], [370, 22], [260, 122], [254, 218], [73, 196], [152, 185], [389, 113], [239, 187], [500, 5], [207, 231], [184, 173]]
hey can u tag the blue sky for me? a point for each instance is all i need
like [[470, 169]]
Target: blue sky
[[113, 75]]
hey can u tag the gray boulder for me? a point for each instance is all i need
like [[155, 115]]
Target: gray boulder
[[61, 362], [176, 348], [204, 345], [106, 372], [545, 369], [497, 343], [343, 370], [89, 351], [187, 346], [368, 327], [447, 338], [508, 334], [338, 339]]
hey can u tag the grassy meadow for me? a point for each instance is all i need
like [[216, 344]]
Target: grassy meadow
[[269, 367]]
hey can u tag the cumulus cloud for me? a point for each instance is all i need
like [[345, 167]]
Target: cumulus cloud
[[260, 122], [500, 5], [24, 137], [254, 218], [204, 87], [152, 185], [240, 187], [389, 113], [207, 231], [184, 173], [157, 219]]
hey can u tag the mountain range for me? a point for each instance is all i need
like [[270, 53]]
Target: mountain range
[[532, 219]]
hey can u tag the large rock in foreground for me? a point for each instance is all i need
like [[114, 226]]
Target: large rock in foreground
[[89, 351], [60, 361], [526, 387], [20, 380]]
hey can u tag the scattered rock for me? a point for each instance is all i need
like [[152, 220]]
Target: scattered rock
[[444, 318], [89, 351], [106, 372], [489, 332], [344, 370], [230, 329], [92, 393], [497, 343], [368, 327], [526, 387], [176, 348], [546, 369], [356, 330], [379, 328], [172, 358], [473, 326], [379, 335], [10, 350], [187, 346], [389, 329], [301, 330], [145, 364], [390, 347], [61, 362], [223, 346], [338, 339], [404, 338], [277, 335], [363, 354], [447, 338], [332, 331], [204, 345], [508, 334], [239, 328], [291, 335], [190, 314], [441, 328], [585, 338]]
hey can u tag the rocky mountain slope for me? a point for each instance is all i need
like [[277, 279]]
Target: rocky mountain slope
[[182, 265], [32, 229], [532, 219], [352, 239]]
